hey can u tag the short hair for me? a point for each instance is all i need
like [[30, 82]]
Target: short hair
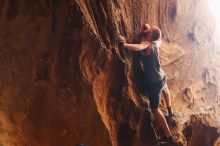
[[156, 33]]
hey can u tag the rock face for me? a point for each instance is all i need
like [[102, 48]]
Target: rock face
[[64, 82]]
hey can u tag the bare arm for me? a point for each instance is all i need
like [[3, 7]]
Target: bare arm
[[136, 47]]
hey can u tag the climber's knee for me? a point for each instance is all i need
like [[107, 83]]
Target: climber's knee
[[155, 111]]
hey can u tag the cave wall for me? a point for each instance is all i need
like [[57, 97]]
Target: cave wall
[[44, 99], [63, 81]]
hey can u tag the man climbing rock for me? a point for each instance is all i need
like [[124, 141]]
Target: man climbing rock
[[165, 91], [155, 77]]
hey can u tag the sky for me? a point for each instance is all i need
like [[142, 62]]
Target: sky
[[215, 8]]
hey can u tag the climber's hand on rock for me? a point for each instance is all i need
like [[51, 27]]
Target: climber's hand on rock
[[121, 39], [121, 43]]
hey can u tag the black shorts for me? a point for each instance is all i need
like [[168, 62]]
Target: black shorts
[[153, 91]]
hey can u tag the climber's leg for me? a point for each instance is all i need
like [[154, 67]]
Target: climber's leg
[[167, 97], [161, 121], [154, 91]]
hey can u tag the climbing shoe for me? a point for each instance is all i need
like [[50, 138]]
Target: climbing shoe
[[165, 140], [170, 112]]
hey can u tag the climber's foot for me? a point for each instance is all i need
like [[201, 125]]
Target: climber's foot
[[171, 113], [170, 121], [165, 140]]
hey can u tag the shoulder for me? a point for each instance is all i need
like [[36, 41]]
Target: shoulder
[[155, 46]]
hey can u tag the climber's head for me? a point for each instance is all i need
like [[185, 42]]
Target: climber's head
[[153, 34]]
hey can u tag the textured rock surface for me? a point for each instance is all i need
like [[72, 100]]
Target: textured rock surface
[[62, 76]]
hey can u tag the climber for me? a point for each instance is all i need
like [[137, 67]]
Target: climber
[[155, 77], [165, 91]]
